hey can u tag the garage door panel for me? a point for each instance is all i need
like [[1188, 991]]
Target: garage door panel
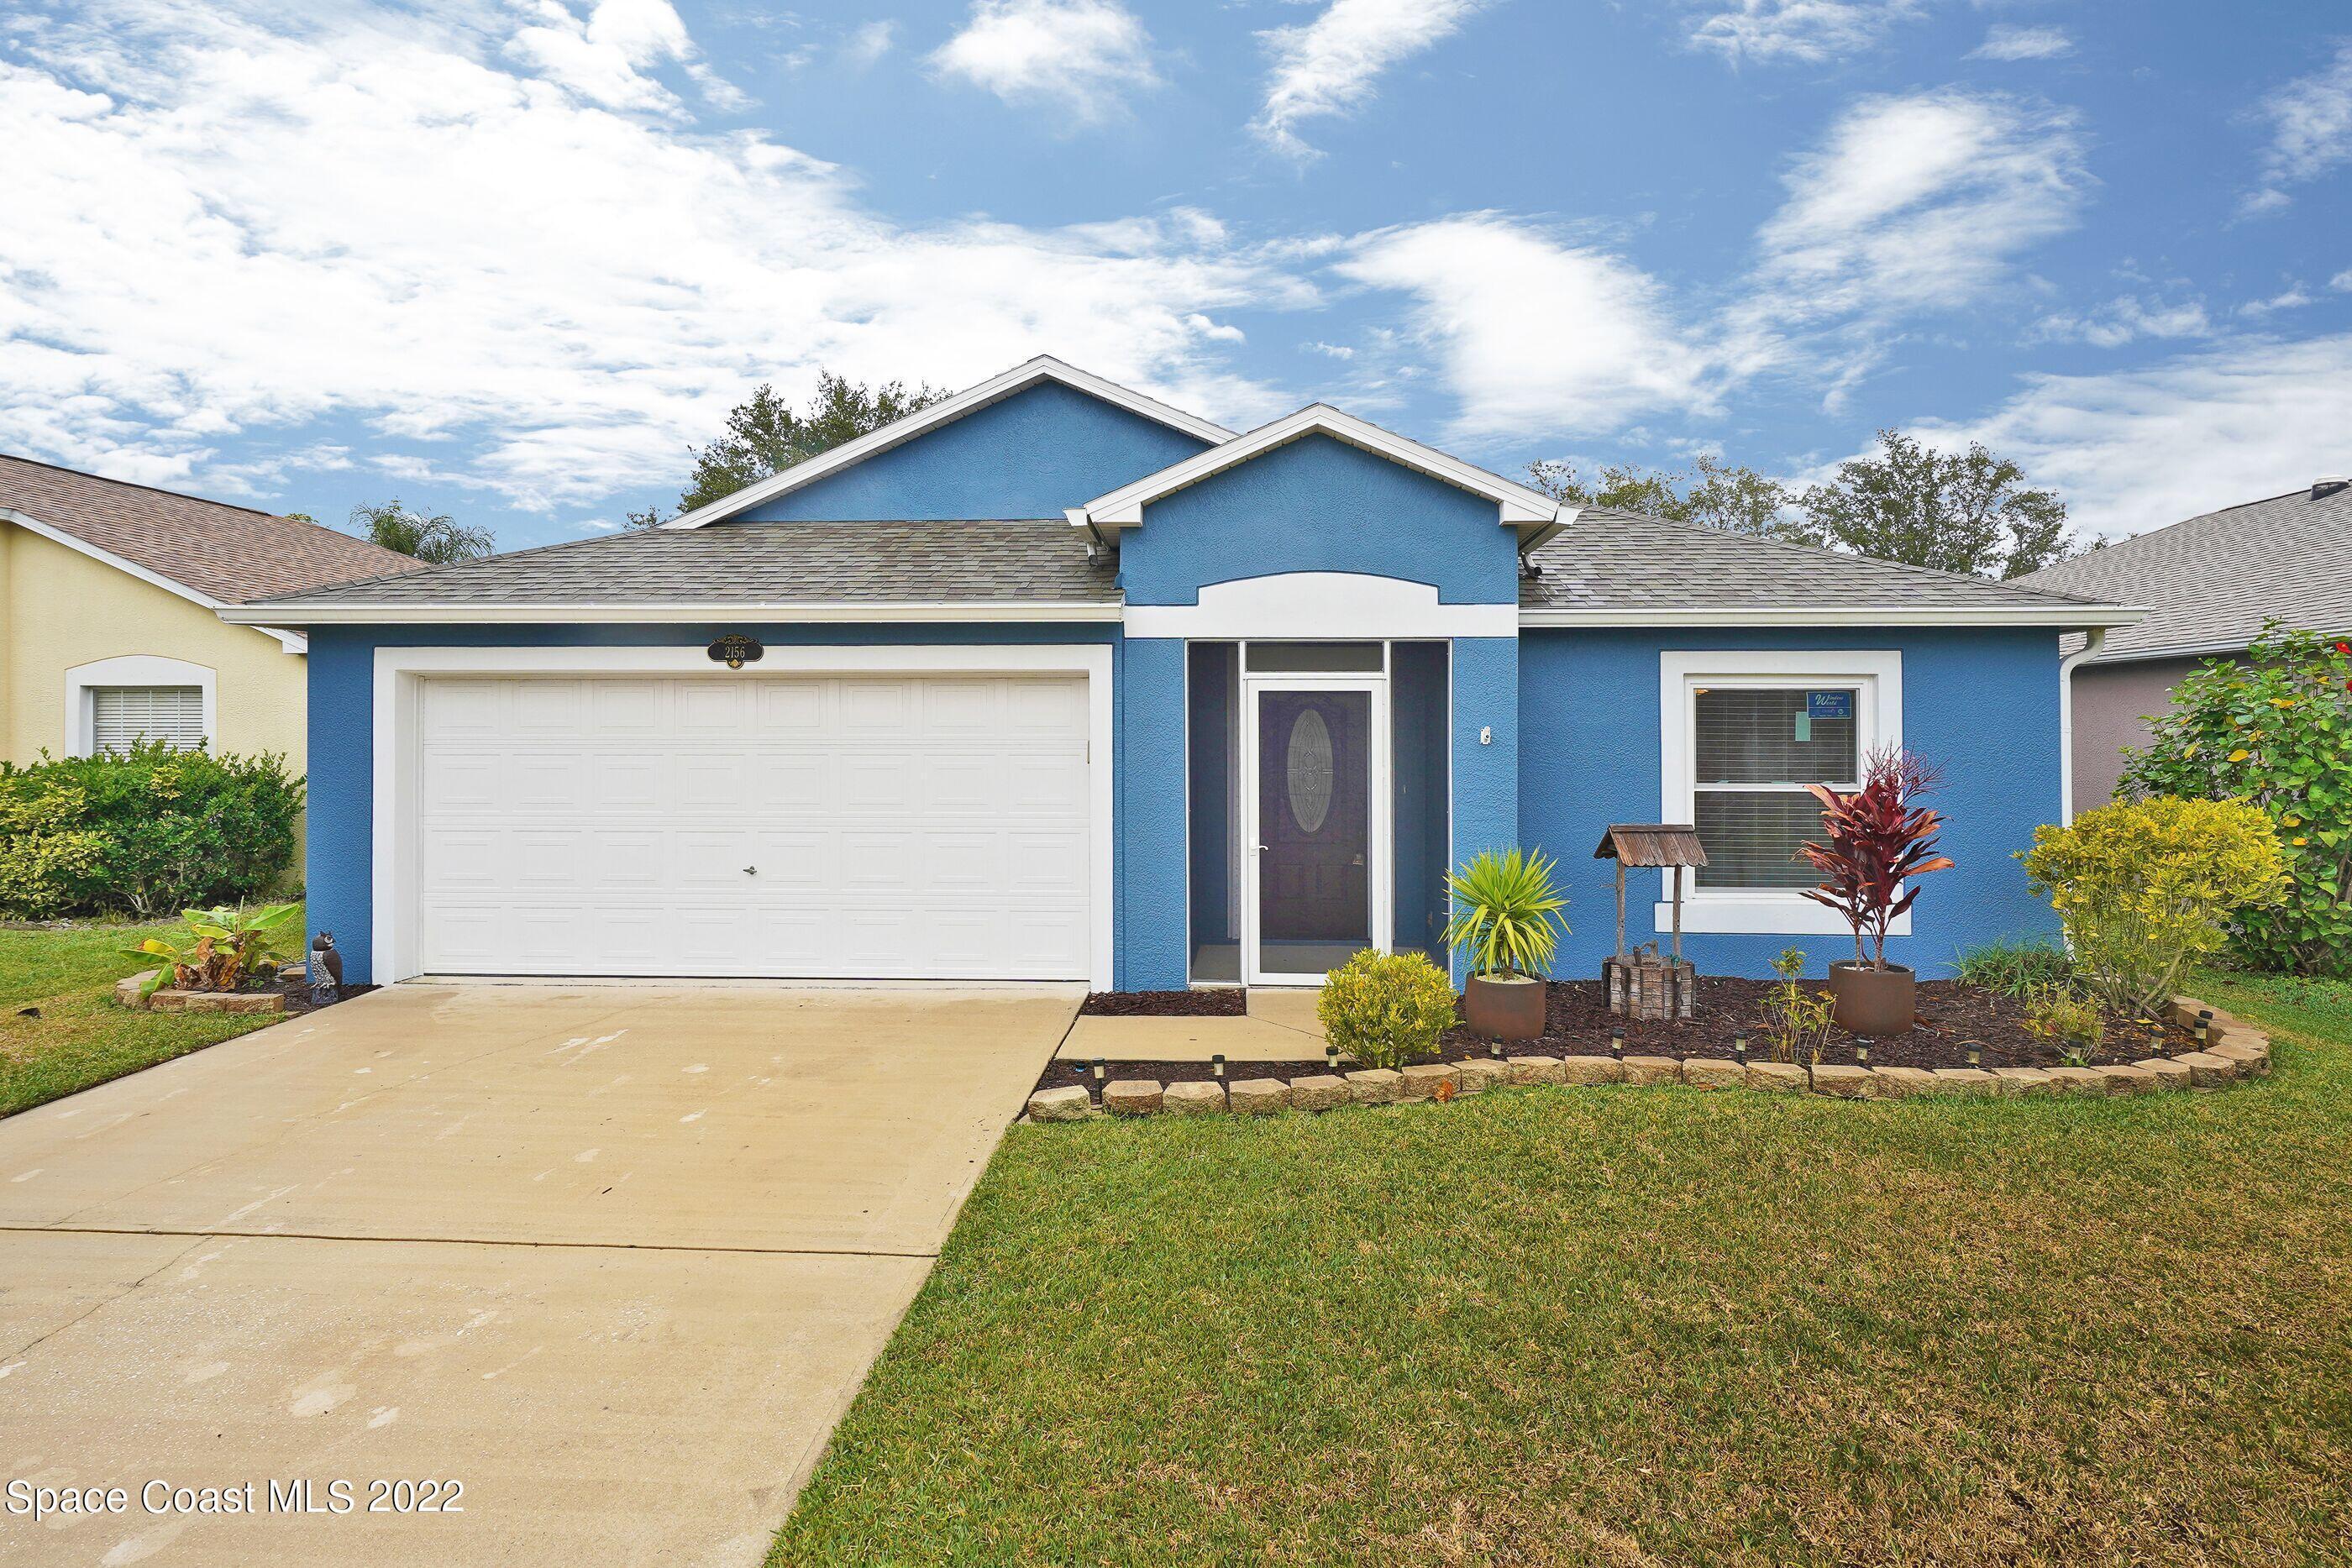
[[901, 827]]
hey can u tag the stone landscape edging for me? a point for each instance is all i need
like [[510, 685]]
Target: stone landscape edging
[[2233, 1050], [172, 999]]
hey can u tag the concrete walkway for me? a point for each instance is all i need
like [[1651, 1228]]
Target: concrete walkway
[[614, 1257]]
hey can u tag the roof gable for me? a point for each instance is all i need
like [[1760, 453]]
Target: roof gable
[[1042, 370], [1534, 514]]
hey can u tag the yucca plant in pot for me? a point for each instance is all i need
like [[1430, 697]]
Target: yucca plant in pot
[[1506, 927], [1879, 838]]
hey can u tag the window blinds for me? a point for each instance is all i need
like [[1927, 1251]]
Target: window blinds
[[120, 716]]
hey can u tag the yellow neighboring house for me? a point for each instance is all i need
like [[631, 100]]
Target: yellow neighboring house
[[108, 624]]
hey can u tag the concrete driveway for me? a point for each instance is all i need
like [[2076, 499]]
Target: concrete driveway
[[613, 1257]]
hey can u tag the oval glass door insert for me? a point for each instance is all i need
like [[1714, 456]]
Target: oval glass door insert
[[1308, 771]]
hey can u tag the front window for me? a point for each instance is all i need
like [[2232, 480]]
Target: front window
[[120, 717], [1754, 748]]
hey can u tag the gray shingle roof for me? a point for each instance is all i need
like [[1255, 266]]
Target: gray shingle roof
[[224, 552], [2211, 581], [783, 563], [1609, 559]]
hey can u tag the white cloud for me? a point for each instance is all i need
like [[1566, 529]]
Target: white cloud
[[1081, 57], [2293, 297], [2310, 122], [2342, 281], [2127, 318], [1802, 30], [1535, 335], [1328, 65], [603, 56], [2015, 41], [2138, 449], [867, 43], [1919, 201], [385, 234]]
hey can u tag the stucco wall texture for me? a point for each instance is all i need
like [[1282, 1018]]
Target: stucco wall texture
[[60, 609]]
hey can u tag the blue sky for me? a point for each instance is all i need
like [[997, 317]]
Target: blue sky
[[510, 260]]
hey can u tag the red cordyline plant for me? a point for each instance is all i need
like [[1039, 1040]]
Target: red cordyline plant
[[1880, 838]]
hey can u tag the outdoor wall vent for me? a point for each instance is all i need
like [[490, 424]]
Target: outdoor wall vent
[[2327, 485]]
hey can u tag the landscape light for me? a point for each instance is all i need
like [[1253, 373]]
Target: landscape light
[[1217, 1065]]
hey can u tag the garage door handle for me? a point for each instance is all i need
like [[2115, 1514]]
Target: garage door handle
[[750, 871]]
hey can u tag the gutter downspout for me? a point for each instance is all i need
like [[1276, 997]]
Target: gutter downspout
[[2093, 639]]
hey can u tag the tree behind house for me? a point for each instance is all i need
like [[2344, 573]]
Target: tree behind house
[[765, 434], [1966, 512], [1731, 497], [439, 538]]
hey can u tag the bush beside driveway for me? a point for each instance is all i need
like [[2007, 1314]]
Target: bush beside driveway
[[1598, 1326]]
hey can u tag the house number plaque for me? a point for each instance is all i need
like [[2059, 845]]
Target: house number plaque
[[735, 651]]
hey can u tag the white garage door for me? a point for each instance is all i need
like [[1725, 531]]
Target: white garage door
[[911, 827]]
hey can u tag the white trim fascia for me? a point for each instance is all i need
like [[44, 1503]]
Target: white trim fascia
[[1878, 673], [1020, 378], [2062, 617], [133, 670], [2086, 653], [290, 642], [1337, 606], [2187, 651], [735, 611], [400, 671], [1520, 508]]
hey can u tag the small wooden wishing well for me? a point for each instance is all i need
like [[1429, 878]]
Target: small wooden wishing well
[[1645, 985]]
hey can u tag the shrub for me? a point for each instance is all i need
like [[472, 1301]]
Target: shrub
[[2275, 731], [1798, 1021], [143, 831], [2057, 1011], [2146, 888], [2012, 968], [1879, 838], [1505, 913], [225, 948], [1384, 1008]]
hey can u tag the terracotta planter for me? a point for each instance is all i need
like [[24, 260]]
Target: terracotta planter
[[1506, 1007], [1875, 1002]]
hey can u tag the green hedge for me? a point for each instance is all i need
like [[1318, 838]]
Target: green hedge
[[145, 834]]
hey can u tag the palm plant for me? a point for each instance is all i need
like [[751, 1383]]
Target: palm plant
[[222, 949], [1505, 913]]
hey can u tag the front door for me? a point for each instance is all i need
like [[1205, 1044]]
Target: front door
[[1320, 767]]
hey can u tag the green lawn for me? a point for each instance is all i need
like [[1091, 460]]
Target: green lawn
[[1649, 1326], [82, 1037]]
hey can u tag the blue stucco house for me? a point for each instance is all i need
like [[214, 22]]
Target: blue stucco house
[[1052, 681]]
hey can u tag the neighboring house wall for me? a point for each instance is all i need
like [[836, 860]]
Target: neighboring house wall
[[2111, 704], [1030, 455], [63, 610], [1981, 706]]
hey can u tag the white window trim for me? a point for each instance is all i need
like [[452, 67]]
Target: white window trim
[[1877, 674], [400, 672], [131, 670], [1321, 606]]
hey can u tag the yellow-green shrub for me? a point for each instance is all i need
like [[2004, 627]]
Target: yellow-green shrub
[[49, 862], [2144, 888], [1384, 1008]]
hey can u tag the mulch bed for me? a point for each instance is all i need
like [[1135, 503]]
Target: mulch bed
[[1224, 1002], [1953, 1017]]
